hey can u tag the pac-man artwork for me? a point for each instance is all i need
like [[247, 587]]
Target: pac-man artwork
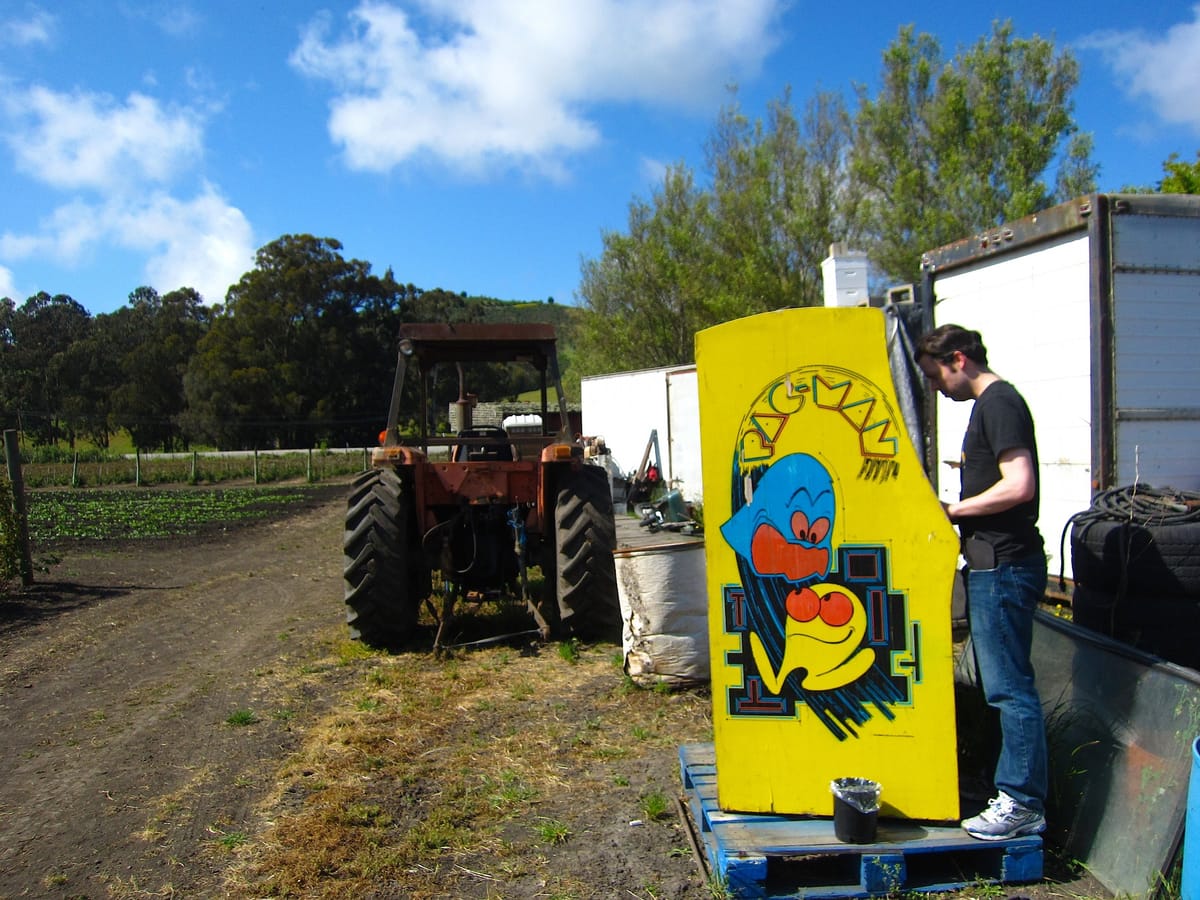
[[830, 570]]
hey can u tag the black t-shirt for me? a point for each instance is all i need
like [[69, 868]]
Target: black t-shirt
[[1000, 421]]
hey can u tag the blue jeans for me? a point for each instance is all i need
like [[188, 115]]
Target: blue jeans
[[1000, 607]]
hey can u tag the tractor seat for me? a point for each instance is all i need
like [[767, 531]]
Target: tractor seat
[[473, 449]]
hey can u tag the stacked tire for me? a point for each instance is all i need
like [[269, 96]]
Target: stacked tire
[[1135, 557]]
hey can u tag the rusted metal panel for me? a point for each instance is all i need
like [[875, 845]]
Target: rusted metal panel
[[480, 483], [434, 343]]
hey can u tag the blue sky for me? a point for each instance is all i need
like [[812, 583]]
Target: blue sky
[[473, 145]]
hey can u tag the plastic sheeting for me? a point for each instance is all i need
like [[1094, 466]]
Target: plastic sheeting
[[665, 613]]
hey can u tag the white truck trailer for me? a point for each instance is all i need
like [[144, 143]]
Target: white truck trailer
[[1092, 309]]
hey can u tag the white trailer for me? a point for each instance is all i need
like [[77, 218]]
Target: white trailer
[[626, 407], [1092, 309]]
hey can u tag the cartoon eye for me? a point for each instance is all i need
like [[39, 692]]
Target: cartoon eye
[[819, 531], [804, 605], [810, 534], [800, 525], [836, 609]]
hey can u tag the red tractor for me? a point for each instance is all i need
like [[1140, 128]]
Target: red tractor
[[481, 506]]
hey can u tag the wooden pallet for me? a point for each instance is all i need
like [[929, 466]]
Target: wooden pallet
[[760, 855]]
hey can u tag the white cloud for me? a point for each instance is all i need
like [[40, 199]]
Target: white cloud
[[203, 243], [8, 287], [81, 140], [36, 29], [1164, 69], [120, 159], [520, 82], [176, 18]]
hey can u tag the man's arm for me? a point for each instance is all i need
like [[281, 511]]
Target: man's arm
[[1016, 485]]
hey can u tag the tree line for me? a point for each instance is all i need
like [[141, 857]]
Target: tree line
[[301, 354], [946, 147]]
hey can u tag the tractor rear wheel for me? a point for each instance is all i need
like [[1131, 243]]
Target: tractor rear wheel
[[382, 567], [585, 537]]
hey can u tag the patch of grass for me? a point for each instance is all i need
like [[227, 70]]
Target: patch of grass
[[468, 773], [365, 815], [655, 806], [551, 831], [569, 650], [231, 839], [510, 791], [241, 717]]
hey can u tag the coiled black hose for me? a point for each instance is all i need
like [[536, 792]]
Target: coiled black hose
[[1138, 503]]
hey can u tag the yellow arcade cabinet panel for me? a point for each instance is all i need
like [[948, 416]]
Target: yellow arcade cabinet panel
[[830, 571]]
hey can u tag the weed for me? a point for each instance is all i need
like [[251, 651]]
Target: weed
[[551, 831], [621, 780], [655, 805], [510, 791], [368, 704], [641, 732], [569, 650], [718, 887], [231, 839], [241, 717], [283, 714]]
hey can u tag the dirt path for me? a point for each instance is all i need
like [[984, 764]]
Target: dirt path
[[119, 673]]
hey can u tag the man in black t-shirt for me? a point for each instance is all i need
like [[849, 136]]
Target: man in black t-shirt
[[997, 515]]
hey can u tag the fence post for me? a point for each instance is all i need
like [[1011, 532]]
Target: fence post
[[12, 455], [256, 465], [193, 467], [137, 467], [75, 470], [310, 477]]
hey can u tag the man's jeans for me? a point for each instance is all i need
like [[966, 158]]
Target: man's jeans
[[1000, 607]]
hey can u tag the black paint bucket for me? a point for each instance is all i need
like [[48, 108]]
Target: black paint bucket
[[855, 809]]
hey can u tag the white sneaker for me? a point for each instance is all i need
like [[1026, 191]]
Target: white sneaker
[[1004, 818]]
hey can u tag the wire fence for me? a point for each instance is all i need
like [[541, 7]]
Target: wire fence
[[255, 467]]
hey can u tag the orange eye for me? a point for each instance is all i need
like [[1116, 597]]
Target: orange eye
[[811, 534], [836, 609], [819, 531]]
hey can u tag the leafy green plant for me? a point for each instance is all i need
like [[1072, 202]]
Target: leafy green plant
[[107, 514]]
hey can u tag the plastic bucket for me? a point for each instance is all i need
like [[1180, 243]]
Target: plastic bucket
[[855, 809], [1189, 888]]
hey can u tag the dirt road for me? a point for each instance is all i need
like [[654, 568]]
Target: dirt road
[[121, 672]]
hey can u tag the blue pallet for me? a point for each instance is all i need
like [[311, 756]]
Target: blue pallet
[[773, 856]]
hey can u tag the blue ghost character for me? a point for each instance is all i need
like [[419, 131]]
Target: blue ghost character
[[785, 530]]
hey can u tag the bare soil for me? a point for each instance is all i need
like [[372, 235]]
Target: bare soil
[[173, 711]]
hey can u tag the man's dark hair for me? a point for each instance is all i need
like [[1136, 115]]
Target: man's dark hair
[[944, 340]]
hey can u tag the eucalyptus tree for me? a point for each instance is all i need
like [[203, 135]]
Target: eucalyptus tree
[[947, 148], [40, 376], [302, 351], [156, 336]]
